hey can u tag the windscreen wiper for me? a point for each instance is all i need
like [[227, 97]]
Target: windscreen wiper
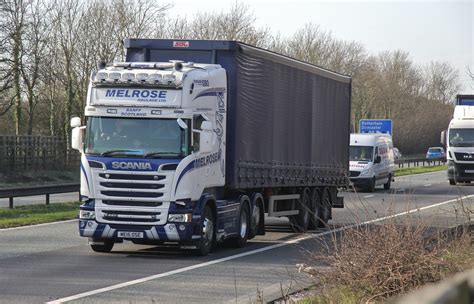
[[159, 154], [119, 151]]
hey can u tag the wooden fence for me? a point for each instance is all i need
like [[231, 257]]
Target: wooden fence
[[25, 153]]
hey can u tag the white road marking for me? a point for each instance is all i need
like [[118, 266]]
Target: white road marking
[[427, 185], [37, 225], [367, 196], [244, 254]]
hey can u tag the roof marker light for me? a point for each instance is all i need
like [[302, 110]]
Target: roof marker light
[[114, 76], [101, 76], [128, 76], [121, 64], [142, 77], [154, 77], [169, 79]]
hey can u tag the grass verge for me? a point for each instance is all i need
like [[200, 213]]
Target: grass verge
[[419, 170], [371, 263], [37, 214]]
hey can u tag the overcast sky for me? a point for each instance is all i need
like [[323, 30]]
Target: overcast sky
[[429, 30]]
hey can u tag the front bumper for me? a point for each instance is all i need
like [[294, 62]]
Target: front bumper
[[461, 172], [171, 232], [361, 181]]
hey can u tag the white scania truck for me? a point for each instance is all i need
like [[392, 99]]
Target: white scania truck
[[191, 142], [459, 141]]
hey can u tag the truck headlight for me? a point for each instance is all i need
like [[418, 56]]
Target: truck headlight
[[87, 215], [365, 172], [180, 218]]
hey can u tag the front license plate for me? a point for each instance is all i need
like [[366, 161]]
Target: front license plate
[[469, 171], [130, 235]]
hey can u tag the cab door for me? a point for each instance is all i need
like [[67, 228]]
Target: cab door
[[378, 165]]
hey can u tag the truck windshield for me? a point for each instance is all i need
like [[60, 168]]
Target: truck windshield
[[461, 137], [137, 137], [360, 153]]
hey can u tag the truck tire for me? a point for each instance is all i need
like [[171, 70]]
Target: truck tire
[[386, 186], [452, 182], [315, 209], [325, 209], [243, 227], [256, 217], [204, 245], [105, 248], [300, 222]]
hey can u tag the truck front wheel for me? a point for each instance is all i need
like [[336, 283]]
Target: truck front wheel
[[452, 182], [206, 242], [104, 248]]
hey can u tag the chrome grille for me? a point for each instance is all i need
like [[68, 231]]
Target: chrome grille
[[132, 198]]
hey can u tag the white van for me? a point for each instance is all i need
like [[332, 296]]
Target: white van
[[371, 160]]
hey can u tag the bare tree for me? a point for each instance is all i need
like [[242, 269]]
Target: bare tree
[[12, 27], [441, 81], [34, 46]]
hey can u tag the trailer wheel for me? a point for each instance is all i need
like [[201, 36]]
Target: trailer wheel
[[104, 248], [206, 242], [325, 210], [452, 182], [386, 186], [243, 227], [315, 209], [300, 222]]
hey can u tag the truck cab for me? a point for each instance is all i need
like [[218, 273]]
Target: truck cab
[[149, 137], [459, 141]]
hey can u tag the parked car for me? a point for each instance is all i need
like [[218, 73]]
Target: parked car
[[435, 153], [396, 153]]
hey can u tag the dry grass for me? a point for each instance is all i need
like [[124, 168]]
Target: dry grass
[[370, 263]]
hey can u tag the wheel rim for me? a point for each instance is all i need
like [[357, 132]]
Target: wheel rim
[[243, 224], [207, 229]]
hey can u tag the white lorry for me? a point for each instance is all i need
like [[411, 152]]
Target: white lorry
[[459, 141], [194, 153], [371, 160]]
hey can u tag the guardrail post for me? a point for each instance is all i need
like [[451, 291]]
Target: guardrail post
[[10, 202], [47, 198]]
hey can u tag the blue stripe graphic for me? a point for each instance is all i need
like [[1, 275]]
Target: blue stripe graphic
[[85, 174], [186, 169]]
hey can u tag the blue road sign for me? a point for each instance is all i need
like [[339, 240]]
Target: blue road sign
[[375, 126]]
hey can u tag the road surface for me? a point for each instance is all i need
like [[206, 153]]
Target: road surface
[[52, 263]]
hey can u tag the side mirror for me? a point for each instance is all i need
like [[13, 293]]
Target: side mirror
[[75, 122], [442, 140], [377, 159], [205, 137], [76, 138]]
